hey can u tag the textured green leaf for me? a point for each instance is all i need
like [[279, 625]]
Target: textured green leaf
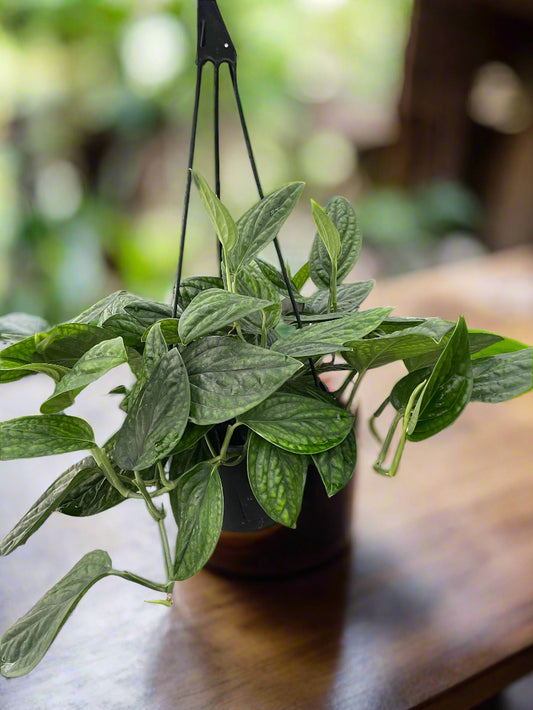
[[301, 277], [156, 418], [10, 374], [277, 479], [199, 513], [403, 389], [22, 352], [66, 343], [105, 308], [349, 298], [126, 326], [227, 377], [90, 367], [336, 466], [17, 326], [218, 214], [302, 425], [327, 231], [148, 312], [45, 435], [261, 224], [191, 436], [276, 279], [169, 329], [410, 342], [478, 340], [92, 493], [26, 642], [448, 389], [182, 462], [496, 347], [344, 218], [155, 348], [321, 338], [503, 376], [251, 282], [215, 309], [191, 287]]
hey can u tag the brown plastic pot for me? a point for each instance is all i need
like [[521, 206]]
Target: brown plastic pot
[[253, 545]]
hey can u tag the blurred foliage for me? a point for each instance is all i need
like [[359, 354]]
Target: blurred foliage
[[95, 105]]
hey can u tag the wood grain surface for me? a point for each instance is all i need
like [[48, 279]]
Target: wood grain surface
[[432, 608]]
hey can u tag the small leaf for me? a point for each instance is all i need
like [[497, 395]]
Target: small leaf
[[327, 231], [100, 359], [45, 435], [17, 326], [156, 418], [219, 215], [199, 513], [302, 425], [277, 479], [501, 377], [261, 224], [344, 218], [27, 641], [276, 279], [301, 277], [227, 376], [214, 309], [336, 466]]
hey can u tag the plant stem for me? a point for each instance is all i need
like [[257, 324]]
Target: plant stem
[[102, 459], [210, 446], [263, 329], [355, 388], [139, 580], [225, 444], [345, 384], [162, 476], [156, 514]]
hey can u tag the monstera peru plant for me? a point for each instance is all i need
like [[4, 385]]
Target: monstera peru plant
[[241, 355]]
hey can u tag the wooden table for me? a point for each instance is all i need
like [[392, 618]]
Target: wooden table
[[433, 608]]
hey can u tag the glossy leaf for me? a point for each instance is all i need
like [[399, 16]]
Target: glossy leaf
[[219, 215], [156, 418], [191, 287], [45, 435], [66, 343], [17, 326], [251, 282], [227, 377], [349, 298], [299, 424], [90, 367], [105, 308], [126, 326], [191, 436], [336, 466], [10, 374], [22, 352], [327, 231], [92, 493], [275, 277], [169, 329], [502, 376], [301, 277], [320, 338], [498, 347], [261, 224], [277, 479], [478, 340], [199, 512], [344, 218], [26, 642], [213, 310], [148, 312]]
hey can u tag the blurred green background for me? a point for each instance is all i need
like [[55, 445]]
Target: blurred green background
[[95, 107]]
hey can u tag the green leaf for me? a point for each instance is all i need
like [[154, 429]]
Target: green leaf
[[155, 349], [66, 343], [478, 340], [330, 336], [336, 466], [327, 231], [146, 313], [17, 326], [344, 218], [277, 479], [182, 462], [55, 372], [26, 642], [214, 309], [92, 493], [349, 298], [219, 215], [276, 279], [302, 425], [448, 389], [496, 347], [251, 282], [105, 308], [501, 377], [90, 367], [45, 435], [199, 513], [228, 376], [169, 329], [301, 277], [191, 287], [156, 418], [410, 342], [261, 224], [126, 326], [22, 352], [191, 436]]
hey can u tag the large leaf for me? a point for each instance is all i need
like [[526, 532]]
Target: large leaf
[[22, 352], [215, 309], [302, 425], [448, 389], [192, 286], [126, 326], [66, 343], [45, 435], [157, 417], [344, 218], [336, 466], [478, 340], [321, 338], [277, 479], [349, 298], [17, 326], [191, 436], [50, 501], [90, 367], [250, 281], [261, 224], [169, 329], [410, 342], [26, 642], [199, 511], [105, 308], [228, 376], [218, 214], [148, 312], [92, 493], [14, 370], [501, 377]]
